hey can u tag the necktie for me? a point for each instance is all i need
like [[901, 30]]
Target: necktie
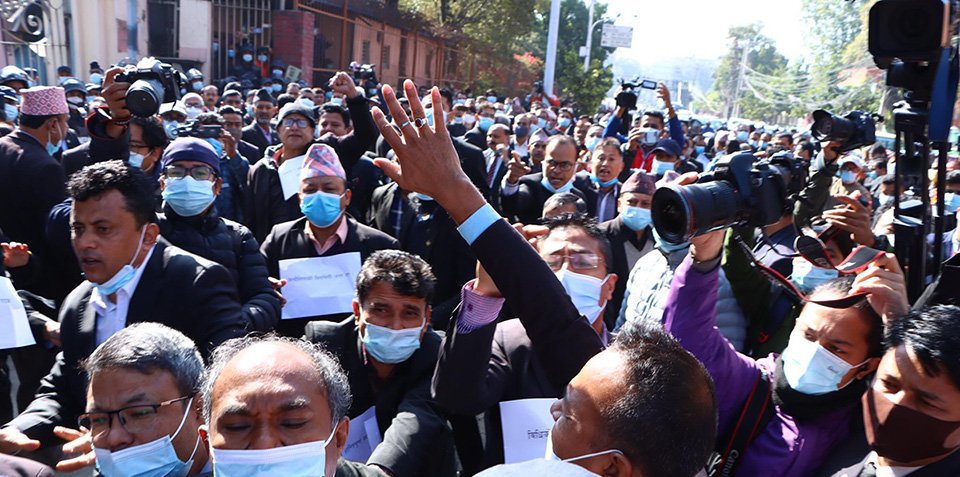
[[492, 172], [869, 470]]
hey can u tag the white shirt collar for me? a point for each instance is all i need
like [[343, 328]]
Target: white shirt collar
[[883, 471], [101, 303]]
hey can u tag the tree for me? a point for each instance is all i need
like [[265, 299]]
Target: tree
[[736, 91]]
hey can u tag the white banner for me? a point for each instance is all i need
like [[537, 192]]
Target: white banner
[[319, 285]]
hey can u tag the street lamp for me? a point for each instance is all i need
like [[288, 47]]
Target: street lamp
[[585, 50]]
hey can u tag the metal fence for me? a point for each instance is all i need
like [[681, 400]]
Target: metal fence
[[236, 24]]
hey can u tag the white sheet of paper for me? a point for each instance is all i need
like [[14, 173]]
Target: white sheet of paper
[[289, 173], [364, 436], [14, 327], [526, 424], [319, 285]]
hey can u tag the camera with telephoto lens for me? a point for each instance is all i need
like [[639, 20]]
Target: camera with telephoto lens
[[855, 130], [740, 191], [200, 131], [152, 83]]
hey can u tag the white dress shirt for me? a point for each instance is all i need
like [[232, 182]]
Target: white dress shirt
[[112, 317]]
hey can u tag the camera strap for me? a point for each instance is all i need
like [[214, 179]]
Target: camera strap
[[756, 412], [857, 261]]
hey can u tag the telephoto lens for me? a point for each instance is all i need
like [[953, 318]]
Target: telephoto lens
[[683, 212], [144, 97]]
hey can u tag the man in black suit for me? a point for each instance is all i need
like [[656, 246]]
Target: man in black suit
[[260, 133], [389, 352], [911, 413], [648, 371], [390, 211], [266, 203], [485, 118], [630, 234], [325, 230], [495, 159], [522, 196], [132, 277]]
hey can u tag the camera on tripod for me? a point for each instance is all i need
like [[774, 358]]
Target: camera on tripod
[[153, 83], [740, 191], [855, 130]]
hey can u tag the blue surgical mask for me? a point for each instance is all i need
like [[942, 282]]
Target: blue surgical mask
[[811, 369], [485, 123], [217, 145], [308, 459], [545, 182], [197, 85], [53, 148], [135, 160], [124, 275], [699, 149], [542, 123], [11, 112], [660, 168], [742, 136], [492, 99], [262, 57], [872, 175], [951, 202], [592, 143], [521, 131], [391, 346], [96, 78], [337, 101], [321, 208], [247, 57], [667, 246], [636, 218], [276, 88], [563, 122], [848, 177], [428, 113], [306, 102], [328, 95], [170, 127], [584, 291], [373, 92], [187, 196], [156, 458], [606, 184], [807, 277], [885, 199]]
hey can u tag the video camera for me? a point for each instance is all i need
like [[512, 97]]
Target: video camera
[[200, 131], [153, 83], [363, 73], [855, 130], [740, 191], [627, 95]]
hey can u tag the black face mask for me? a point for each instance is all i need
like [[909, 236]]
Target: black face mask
[[804, 407]]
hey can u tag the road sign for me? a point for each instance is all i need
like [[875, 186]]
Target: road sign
[[615, 36]]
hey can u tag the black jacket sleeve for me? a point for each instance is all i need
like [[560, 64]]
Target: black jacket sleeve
[[469, 378], [560, 336], [260, 303], [215, 296]]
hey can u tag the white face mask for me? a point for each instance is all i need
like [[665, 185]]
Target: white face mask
[[157, 457], [308, 460], [584, 291], [549, 455]]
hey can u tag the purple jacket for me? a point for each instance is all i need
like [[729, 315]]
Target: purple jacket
[[784, 448]]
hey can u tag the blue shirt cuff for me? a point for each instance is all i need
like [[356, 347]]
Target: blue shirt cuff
[[478, 223]]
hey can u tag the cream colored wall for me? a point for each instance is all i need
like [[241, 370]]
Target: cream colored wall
[[195, 27]]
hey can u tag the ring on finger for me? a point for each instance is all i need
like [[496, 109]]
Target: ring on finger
[[405, 124], [420, 122]]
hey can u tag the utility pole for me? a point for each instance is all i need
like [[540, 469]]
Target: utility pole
[[586, 47], [551, 60], [743, 71]]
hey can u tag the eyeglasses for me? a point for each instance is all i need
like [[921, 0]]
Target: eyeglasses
[[300, 123], [580, 260], [200, 173], [134, 419], [560, 166]]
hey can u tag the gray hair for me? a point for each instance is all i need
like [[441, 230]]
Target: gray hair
[[332, 377], [148, 347]]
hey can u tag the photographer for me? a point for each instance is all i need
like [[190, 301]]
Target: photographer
[[640, 145], [818, 380], [235, 168]]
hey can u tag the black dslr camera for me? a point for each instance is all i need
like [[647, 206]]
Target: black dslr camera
[[740, 191], [200, 131], [627, 96], [855, 130], [363, 73], [153, 83]]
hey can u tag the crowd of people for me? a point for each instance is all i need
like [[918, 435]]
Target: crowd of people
[[352, 281]]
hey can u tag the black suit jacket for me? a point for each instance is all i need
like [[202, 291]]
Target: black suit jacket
[[416, 439], [178, 289], [476, 137], [378, 216], [254, 135], [249, 152], [526, 205], [474, 372], [289, 240], [618, 235]]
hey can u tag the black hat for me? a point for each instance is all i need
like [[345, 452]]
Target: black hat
[[297, 108], [64, 69], [264, 95], [668, 146]]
